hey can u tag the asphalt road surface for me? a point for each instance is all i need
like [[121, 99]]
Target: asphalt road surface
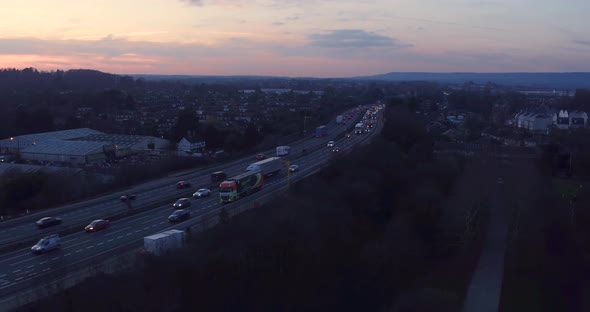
[[21, 267], [20, 230]]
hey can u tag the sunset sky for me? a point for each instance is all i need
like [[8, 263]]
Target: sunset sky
[[320, 38]]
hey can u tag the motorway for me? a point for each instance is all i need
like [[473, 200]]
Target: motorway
[[24, 229], [21, 269]]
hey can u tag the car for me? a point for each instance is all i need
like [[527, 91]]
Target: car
[[293, 168], [128, 197], [183, 184], [97, 225], [45, 244], [331, 143], [47, 222], [500, 181], [336, 149], [348, 135], [179, 215], [202, 193], [218, 176], [182, 203], [260, 156]]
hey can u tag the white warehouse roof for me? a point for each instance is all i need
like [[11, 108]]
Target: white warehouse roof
[[30, 139]]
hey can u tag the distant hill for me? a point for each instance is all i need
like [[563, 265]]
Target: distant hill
[[543, 80]]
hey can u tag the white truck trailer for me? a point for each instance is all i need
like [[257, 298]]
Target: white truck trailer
[[268, 167], [283, 150], [159, 244]]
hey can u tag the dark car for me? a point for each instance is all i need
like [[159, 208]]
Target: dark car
[[179, 215], [183, 184], [336, 149], [48, 221], [218, 176], [182, 203], [128, 197], [97, 225], [260, 156]]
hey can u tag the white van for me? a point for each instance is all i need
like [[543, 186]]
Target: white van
[[46, 244]]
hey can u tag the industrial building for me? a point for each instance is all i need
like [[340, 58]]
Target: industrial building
[[125, 145], [76, 153], [78, 147], [14, 144]]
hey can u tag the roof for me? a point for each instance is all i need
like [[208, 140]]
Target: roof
[[64, 147], [116, 139], [29, 139]]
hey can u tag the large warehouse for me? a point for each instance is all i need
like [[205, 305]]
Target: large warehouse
[[13, 144], [125, 145], [77, 147], [65, 151]]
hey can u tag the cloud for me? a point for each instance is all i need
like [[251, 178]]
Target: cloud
[[352, 38], [193, 2], [583, 42], [278, 24]]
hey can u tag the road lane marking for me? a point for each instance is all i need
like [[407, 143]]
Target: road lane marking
[[154, 225], [89, 247], [137, 231], [162, 222], [1, 276], [68, 254], [120, 237], [25, 254], [30, 267], [16, 271], [146, 228], [117, 231], [56, 258], [99, 244], [79, 250], [45, 270], [80, 243], [110, 240], [5, 284], [32, 274], [16, 263], [129, 234], [41, 263], [19, 278]]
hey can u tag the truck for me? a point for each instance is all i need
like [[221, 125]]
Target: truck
[[240, 186], [339, 119], [358, 128], [161, 243], [321, 131], [283, 150], [269, 166]]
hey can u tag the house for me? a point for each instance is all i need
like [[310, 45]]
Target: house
[[189, 145], [578, 119], [565, 120]]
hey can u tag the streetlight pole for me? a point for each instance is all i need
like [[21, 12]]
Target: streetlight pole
[[288, 163]]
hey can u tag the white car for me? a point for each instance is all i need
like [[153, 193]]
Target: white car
[[202, 193], [293, 168], [46, 244], [331, 143]]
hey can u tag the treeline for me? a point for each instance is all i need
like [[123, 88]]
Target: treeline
[[361, 235], [40, 190]]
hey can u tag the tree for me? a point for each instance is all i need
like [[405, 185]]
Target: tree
[[186, 125]]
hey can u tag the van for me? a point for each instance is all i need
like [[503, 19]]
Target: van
[[48, 243]]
